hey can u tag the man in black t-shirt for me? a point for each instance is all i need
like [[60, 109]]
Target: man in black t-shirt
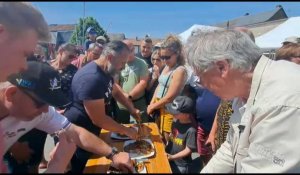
[[146, 51], [93, 88]]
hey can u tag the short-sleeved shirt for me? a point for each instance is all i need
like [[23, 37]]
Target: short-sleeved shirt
[[182, 135], [130, 76], [206, 107], [66, 76], [164, 82], [146, 59], [89, 83], [49, 122]]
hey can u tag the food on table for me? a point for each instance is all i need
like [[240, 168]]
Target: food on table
[[140, 147]]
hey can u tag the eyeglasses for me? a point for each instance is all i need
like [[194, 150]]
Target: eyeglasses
[[166, 57], [37, 103]]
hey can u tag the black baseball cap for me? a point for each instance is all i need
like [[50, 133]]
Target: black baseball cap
[[181, 104], [43, 82]]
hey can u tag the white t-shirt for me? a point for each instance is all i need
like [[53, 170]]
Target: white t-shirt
[[49, 122]]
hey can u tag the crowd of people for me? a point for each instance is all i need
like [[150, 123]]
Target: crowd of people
[[217, 95]]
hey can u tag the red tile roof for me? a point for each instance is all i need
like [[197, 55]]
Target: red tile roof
[[61, 27]]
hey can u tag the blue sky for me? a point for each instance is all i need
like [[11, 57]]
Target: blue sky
[[155, 18]]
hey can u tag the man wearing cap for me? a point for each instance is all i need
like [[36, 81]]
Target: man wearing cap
[[91, 37], [14, 32], [291, 39], [25, 100], [183, 136]]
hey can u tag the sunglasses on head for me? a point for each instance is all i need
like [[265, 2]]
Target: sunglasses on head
[[37, 102]]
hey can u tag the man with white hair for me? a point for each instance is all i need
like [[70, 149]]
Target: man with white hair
[[231, 65]]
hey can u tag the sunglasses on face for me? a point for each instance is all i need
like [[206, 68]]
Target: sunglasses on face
[[37, 103], [166, 57]]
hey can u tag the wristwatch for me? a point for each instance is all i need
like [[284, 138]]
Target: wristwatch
[[114, 151]]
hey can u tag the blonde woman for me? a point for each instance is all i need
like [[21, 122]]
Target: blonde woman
[[174, 75]]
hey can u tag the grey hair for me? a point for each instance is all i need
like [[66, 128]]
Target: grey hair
[[114, 48], [4, 85], [247, 31], [20, 16], [206, 47]]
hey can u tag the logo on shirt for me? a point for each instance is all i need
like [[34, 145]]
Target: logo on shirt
[[174, 137], [54, 84], [109, 90], [269, 154]]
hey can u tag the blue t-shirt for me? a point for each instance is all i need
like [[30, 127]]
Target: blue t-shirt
[[89, 83], [206, 107]]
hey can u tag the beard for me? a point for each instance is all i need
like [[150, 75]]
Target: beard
[[111, 70]]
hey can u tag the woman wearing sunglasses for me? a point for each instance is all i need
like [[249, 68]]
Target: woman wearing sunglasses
[[171, 82]]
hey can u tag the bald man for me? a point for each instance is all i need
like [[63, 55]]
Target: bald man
[[133, 80]]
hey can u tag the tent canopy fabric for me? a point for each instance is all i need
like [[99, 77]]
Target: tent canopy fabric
[[186, 34], [275, 37]]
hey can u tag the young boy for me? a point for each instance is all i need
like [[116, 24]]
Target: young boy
[[183, 136]]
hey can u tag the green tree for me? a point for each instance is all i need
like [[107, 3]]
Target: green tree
[[79, 34]]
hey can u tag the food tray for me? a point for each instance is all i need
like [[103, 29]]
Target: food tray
[[134, 155]]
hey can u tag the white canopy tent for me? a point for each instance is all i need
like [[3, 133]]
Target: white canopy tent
[[274, 38], [186, 34]]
